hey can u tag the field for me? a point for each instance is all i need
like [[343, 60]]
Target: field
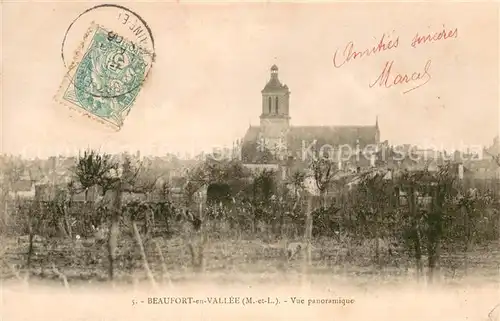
[[242, 269], [86, 260], [383, 242], [68, 281]]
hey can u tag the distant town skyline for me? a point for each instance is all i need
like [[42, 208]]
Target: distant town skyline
[[204, 89]]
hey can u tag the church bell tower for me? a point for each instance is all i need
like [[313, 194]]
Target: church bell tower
[[275, 118]]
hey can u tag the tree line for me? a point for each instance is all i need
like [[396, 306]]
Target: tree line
[[424, 212]]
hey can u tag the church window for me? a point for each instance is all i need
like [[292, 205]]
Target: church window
[[270, 104], [276, 107]]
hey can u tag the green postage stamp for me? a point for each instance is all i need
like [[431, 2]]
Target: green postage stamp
[[105, 77]]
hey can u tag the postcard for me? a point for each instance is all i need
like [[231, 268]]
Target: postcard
[[202, 160]]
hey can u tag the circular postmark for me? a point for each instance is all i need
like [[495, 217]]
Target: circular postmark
[[112, 50], [125, 22]]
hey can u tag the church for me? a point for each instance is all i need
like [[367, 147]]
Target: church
[[275, 141]]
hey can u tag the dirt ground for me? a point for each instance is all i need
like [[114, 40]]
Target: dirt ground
[[235, 271], [86, 261]]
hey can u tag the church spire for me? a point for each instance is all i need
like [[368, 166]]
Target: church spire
[[274, 85], [274, 71], [377, 130]]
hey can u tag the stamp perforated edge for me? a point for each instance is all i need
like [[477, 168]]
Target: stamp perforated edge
[[78, 55]]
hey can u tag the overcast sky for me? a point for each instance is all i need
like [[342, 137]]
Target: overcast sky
[[213, 61]]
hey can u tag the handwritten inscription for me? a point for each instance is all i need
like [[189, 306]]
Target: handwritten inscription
[[442, 35], [389, 77], [350, 53]]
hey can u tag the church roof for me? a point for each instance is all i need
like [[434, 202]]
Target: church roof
[[274, 85], [303, 136], [333, 135], [252, 134]]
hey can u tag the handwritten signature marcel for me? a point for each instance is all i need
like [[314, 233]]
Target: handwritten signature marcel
[[387, 78]]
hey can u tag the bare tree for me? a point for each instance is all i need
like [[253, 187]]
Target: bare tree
[[409, 184], [128, 177], [94, 169], [428, 223], [196, 237], [13, 173], [323, 172], [443, 188]]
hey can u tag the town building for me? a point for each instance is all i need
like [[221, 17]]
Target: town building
[[275, 141]]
